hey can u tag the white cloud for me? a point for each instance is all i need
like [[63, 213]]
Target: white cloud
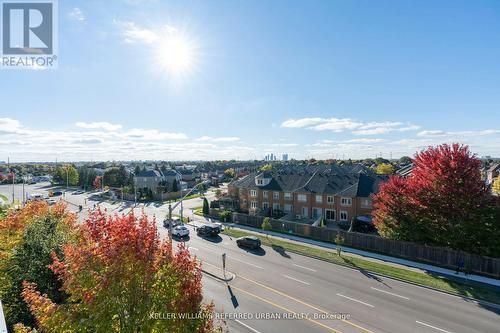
[[77, 14], [365, 140], [96, 125], [153, 134], [346, 124], [437, 133], [135, 34], [219, 139], [8, 125]]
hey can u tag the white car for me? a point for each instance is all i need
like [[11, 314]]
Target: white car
[[51, 201], [180, 231]]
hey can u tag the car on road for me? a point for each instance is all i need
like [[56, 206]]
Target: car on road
[[56, 194], [175, 222], [51, 201], [78, 192], [180, 231], [219, 225], [248, 241], [207, 230]]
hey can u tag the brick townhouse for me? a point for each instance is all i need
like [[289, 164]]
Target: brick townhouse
[[335, 193]]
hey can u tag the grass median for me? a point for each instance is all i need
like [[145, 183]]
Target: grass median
[[366, 266], [4, 198]]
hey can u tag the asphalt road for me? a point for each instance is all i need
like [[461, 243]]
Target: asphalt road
[[306, 293]]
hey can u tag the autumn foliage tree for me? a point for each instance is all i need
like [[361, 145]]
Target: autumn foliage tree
[[28, 237], [444, 202], [97, 182], [120, 277]]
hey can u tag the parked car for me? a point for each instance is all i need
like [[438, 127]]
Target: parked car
[[51, 201], [207, 230], [78, 192], [248, 241], [175, 222], [180, 231], [56, 193], [219, 225]]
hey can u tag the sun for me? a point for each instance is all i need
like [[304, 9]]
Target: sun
[[176, 54]]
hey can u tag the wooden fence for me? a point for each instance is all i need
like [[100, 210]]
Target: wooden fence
[[434, 255]]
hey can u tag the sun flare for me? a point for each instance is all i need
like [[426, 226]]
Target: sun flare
[[176, 55]]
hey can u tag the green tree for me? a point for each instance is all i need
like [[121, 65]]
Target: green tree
[[175, 186], [206, 207], [230, 173], [385, 169], [339, 241], [66, 174], [267, 167], [137, 169], [266, 225], [42, 231], [496, 186]]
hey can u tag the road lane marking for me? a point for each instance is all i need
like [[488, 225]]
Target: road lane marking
[[309, 269], [302, 302], [245, 325], [294, 279], [194, 248], [393, 294], [230, 258], [434, 327], [285, 309], [356, 300]]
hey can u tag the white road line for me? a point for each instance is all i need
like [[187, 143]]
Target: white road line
[[231, 258], [291, 278], [393, 294], [355, 300], [434, 327], [243, 324], [193, 248], [309, 269]]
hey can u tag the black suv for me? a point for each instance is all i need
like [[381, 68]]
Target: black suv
[[248, 241], [207, 230]]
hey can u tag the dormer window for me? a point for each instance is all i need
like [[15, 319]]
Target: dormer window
[[260, 182]]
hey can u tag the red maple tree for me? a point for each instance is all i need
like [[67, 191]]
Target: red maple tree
[[444, 202]]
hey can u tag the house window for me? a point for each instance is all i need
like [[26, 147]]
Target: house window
[[260, 182], [276, 195], [305, 212], [244, 202], [330, 214], [288, 208], [302, 197], [366, 203], [319, 199], [343, 215], [253, 204], [265, 205], [253, 193], [288, 196], [276, 207], [346, 201], [241, 191], [330, 199], [264, 194], [316, 212]]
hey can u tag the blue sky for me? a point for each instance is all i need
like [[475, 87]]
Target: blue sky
[[323, 79]]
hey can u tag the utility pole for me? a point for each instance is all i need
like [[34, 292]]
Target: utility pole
[[24, 196], [13, 178]]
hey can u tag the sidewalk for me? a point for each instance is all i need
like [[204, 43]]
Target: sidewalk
[[388, 260]]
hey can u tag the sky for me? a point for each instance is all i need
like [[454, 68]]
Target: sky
[[206, 80]]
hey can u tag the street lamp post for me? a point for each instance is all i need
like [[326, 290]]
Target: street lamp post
[[170, 208]]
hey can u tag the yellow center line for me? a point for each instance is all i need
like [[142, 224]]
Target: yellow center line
[[287, 310], [303, 303]]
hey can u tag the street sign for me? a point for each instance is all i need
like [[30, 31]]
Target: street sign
[[224, 261]]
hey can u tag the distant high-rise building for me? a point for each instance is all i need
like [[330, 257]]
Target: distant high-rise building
[[285, 157]]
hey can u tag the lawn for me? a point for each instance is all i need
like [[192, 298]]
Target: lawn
[[422, 279], [4, 198]]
